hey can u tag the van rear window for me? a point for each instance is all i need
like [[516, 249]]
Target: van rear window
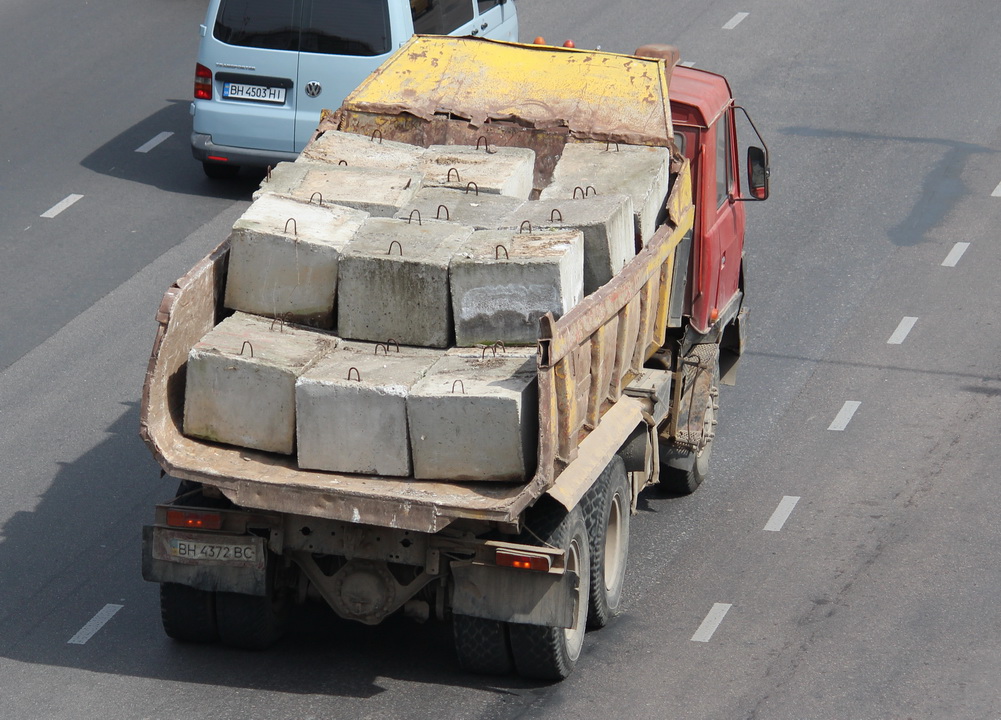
[[336, 27]]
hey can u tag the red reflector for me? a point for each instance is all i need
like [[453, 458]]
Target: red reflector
[[203, 82], [218, 158], [523, 560], [196, 520]]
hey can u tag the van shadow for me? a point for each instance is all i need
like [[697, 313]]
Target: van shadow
[[169, 165], [82, 545]]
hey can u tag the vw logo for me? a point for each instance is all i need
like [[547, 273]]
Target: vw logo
[[313, 89]]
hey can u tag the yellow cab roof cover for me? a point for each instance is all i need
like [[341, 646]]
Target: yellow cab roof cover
[[594, 94]]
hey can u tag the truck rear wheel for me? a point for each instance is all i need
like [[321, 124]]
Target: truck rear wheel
[[550, 653], [254, 622], [188, 614], [481, 645], [606, 510]]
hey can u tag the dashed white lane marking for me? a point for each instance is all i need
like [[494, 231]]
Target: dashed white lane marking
[[688, 63], [146, 147], [782, 513], [61, 205], [96, 623], [844, 416], [997, 191], [712, 621], [735, 20], [898, 336], [957, 252]]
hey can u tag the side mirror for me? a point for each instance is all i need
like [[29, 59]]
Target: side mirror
[[757, 173]]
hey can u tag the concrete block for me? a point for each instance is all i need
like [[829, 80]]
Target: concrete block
[[504, 281], [351, 413], [393, 282], [283, 259], [606, 222], [475, 419], [482, 211], [503, 170], [378, 191], [241, 382], [642, 173], [334, 147]]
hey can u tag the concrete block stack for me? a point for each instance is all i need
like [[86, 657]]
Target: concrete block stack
[[332, 241], [504, 281], [642, 173], [241, 382], [283, 259]]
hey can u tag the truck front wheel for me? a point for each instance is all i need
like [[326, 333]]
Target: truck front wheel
[[550, 653], [188, 614], [606, 512]]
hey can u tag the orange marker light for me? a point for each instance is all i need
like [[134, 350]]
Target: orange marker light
[[569, 44], [714, 315], [539, 40]]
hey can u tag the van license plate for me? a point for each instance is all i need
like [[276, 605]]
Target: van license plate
[[260, 93]]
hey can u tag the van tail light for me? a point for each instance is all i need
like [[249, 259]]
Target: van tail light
[[203, 82], [194, 520], [523, 560]]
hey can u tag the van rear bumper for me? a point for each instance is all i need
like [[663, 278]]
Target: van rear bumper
[[205, 150]]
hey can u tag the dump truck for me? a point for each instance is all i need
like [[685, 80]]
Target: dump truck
[[520, 542]]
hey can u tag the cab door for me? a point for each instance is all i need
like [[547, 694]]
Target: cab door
[[725, 237]]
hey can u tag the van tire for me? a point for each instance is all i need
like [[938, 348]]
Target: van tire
[[551, 653]]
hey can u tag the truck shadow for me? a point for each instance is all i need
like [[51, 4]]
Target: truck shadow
[[169, 165], [941, 188], [79, 549]]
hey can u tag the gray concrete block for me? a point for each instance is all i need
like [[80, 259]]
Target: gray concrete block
[[475, 419], [380, 192], [503, 170], [482, 211], [241, 382], [283, 259], [334, 147], [504, 281], [393, 282], [351, 413], [642, 173], [605, 220]]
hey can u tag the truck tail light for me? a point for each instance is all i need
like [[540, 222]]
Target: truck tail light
[[194, 520], [203, 82], [523, 560]]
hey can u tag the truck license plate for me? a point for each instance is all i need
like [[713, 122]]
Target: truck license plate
[[197, 550], [260, 93]]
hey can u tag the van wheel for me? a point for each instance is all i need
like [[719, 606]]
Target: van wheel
[[481, 645], [220, 171], [254, 622], [606, 512], [550, 653], [188, 614]]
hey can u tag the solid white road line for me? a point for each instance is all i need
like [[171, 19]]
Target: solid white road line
[[60, 206], [146, 147], [688, 63], [957, 252], [844, 416], [712, 621], [898, 336], [782, 513], [96, 623], [735, 20]]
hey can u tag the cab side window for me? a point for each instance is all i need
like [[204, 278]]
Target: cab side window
[[440, 17], [724, 177]]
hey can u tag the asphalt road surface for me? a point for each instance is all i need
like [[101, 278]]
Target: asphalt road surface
[[840, 563]]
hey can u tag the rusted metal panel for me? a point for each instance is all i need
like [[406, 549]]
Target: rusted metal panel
[[593, 94]]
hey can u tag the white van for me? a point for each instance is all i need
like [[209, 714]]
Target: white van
[[266, 68]]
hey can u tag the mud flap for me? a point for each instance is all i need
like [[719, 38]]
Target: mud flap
[[510, 595]]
